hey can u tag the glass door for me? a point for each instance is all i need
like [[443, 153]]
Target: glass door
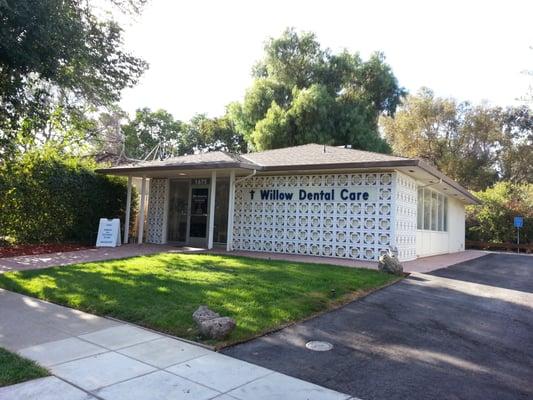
[[178, 211], [199, 215]]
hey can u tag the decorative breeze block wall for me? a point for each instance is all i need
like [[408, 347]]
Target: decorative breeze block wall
[[156, 211], [406, 209], [359, 230]]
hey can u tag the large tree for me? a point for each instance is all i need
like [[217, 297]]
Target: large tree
[[155, 132], [58, 56], [476, 145], [161, 132], [303, 93]]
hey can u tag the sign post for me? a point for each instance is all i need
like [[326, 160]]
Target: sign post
[[108, 233], [518, 223]]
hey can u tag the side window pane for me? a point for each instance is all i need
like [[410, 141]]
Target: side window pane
[[427, 208], [420, 209], [445, 222], [441, 212], [434, 215]]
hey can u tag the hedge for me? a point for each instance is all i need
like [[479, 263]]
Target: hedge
[[492, 221], [46, 197]]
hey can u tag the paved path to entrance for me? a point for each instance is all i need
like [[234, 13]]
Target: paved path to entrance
[[96, 358], [21, 263], [463, 332]]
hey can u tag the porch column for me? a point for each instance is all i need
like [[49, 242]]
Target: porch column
[[231, 206], [212, 196], [165, 212], [141, 213], [128, 207]]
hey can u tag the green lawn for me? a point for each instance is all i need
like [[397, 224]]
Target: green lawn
[[15, 369], [162, 291]]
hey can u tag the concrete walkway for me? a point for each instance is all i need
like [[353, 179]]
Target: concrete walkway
[[39, 261], [91, 357]]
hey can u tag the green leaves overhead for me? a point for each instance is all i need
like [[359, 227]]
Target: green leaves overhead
[[303, 93], [58, 53]]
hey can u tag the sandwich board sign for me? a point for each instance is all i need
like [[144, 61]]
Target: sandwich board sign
[[108, 233]]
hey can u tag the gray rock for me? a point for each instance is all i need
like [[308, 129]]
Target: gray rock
[[211, 324], [390, 263], [203, 313], [217, 328]]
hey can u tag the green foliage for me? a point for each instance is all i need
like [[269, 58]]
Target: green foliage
[[303, 93], [150, 128], [475, 145], [47, 197], [493, 220], [260, 294], [175, 138], [15, 369], [58, 53], [211, 134]]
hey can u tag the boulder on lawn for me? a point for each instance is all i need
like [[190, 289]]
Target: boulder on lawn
[[211, 324], [389, 263], [203, 313], [217, 328]]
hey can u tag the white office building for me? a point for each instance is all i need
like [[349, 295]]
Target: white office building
[[308, 200]]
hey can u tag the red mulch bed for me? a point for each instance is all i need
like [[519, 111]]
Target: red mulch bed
[[34, 249]]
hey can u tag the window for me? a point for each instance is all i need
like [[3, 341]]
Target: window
[[432, 210], [440, 222], [445, 223], [420, 210]]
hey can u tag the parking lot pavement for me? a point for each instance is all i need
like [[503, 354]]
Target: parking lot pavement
[[463, 332]]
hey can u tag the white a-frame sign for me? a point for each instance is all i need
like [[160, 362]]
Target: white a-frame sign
[[108, 233]]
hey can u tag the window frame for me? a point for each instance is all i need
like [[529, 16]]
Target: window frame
[[435, 208]]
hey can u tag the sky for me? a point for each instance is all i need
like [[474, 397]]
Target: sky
[[201, 52]]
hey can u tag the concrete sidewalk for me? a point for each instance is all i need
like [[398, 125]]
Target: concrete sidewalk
[[91, 357]]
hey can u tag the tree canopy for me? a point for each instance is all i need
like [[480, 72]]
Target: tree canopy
[[57, 55], [475, 145], [303, 93], [159, 135]]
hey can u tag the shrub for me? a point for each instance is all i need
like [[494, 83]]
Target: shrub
[[47, 197], [493, 220]]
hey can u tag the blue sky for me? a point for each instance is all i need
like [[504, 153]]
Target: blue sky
[[201, 52]]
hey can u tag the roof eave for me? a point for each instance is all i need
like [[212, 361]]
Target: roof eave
[[142, 169], [437, 174]]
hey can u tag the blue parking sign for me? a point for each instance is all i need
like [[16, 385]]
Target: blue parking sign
[[518, 222]]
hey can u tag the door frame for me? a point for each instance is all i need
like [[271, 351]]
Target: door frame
[[198, 242]]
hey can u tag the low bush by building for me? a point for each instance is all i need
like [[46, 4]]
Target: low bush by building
[[48, 197], [493, 220]]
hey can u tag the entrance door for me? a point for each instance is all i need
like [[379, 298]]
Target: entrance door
[[199, 216], [178, 211]]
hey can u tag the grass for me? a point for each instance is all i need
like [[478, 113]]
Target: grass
[[15, 369], [162, 291]]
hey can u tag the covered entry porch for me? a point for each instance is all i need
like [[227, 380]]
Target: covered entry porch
[[185, 208]]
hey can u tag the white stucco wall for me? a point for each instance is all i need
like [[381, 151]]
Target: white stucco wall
[[456, 225]]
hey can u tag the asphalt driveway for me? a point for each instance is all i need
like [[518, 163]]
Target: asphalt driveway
[[462, 332]]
